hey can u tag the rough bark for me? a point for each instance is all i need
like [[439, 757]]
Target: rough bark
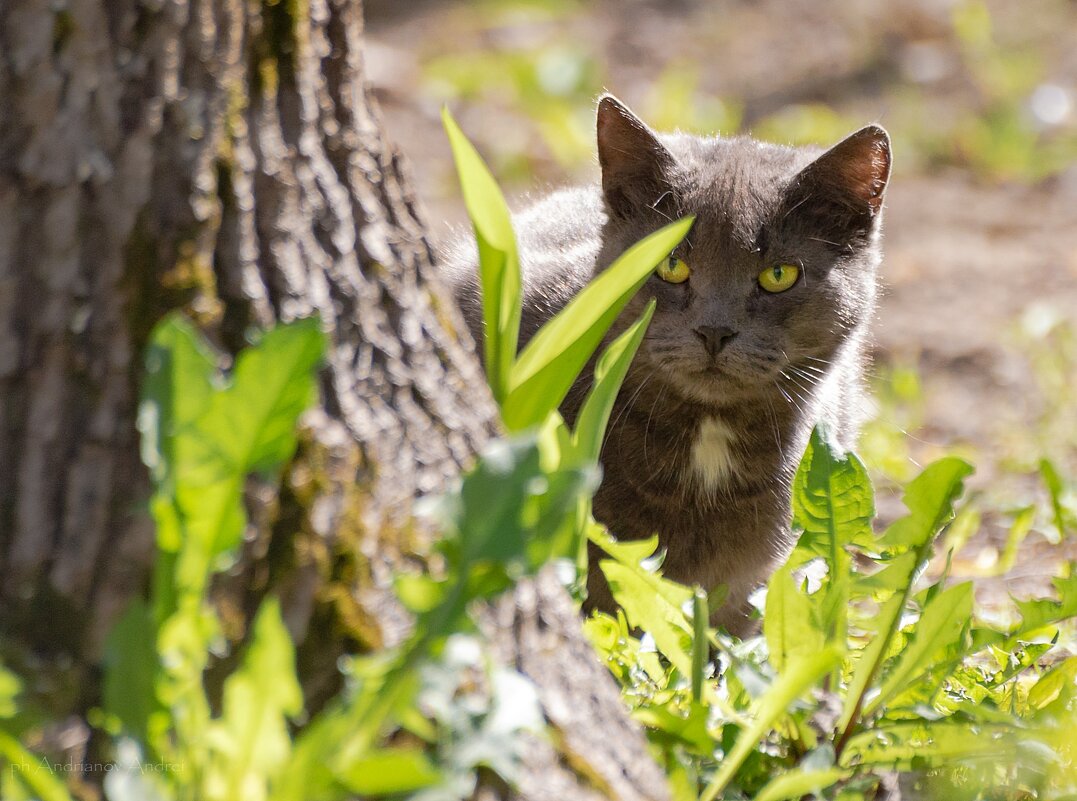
[[224, 156]]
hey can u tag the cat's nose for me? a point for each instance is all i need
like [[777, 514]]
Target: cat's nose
[[715, 338]]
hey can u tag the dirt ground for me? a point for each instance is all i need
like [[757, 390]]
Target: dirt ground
[[981, 247]]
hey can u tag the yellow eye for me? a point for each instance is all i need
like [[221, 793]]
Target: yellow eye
[[779, 278], [673, 270]]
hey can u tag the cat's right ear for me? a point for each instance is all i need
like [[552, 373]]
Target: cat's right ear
[[635, 165]]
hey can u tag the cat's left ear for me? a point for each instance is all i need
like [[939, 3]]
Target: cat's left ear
[[635, 165], [844, 187]]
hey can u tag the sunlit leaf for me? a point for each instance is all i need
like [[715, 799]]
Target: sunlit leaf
[[549, 364], [800, 676], [499, 266], [610, 373]]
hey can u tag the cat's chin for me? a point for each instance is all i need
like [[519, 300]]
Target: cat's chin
[[715, 386]]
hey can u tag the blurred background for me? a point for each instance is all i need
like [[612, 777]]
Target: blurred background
[[977, 330]]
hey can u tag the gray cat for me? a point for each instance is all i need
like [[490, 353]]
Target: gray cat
[[759, 332]]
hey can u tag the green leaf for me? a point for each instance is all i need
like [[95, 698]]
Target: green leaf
[[203, 435], [176, 390], [251, 742], [610, 373], [1059, 681], [10, 687], [789, 622], [800, 676], [833, 503], [272, 384], [131, 670], [1038, 613], [647, 606], [832, 508], [940, 627], [929, 498], [800, 782], [389, 772], [906, 746], [554, 357], [499, 266], [650, 602], [1053, 482]]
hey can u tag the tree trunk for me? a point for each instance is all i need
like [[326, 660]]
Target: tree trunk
[[224, 157]]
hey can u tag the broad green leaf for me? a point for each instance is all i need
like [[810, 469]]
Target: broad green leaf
[[1043, 612], [554, 357], [203, 434], [799, 783], [511, 512], [131, 670], [251, 740], [390, 772], [789, 623], [832, 500], [800, 676], [610, 373], [499, 266], [645, 599], [176, 390], [832, 508], [930, 500], [627, 552], [1059, 681], [940, 626], [273, 383]]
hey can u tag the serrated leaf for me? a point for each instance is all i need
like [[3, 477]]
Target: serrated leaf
[[833, 506], [554, 357], [789, 623], [940, 626], [206, 434], [1038, 613], [801, 675], [251, 742], [645, 599], [929, 498], [1059, 681]]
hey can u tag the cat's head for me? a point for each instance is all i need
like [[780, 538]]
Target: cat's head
[[779, 268]]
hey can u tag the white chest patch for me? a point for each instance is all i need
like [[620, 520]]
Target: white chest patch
[[712, 453]]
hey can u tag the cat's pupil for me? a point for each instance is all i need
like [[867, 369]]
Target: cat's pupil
[[778, 273]]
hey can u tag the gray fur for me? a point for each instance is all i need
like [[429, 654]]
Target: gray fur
[[797, 357]]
